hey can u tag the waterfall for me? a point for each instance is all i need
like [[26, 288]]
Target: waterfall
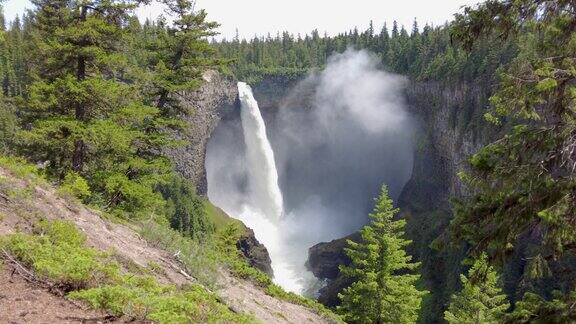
[[262, 208], [265, 194]]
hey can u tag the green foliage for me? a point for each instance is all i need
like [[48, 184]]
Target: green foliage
[[228, 253], [186, 211], [199, 258], [481, 300], [424, 54], [525, 180], [144, 298], [84, 104], [522, 185], [20, 168], [534, 309], [58, 253], [177, 54], [383, 289], [75, 186], [8, 126]]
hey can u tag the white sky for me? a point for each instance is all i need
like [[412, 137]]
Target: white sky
[[258, 17]]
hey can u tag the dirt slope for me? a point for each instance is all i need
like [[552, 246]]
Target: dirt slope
[[41, 201]]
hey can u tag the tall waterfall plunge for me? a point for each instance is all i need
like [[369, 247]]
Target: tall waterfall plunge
[[264, 192], [259, 204]]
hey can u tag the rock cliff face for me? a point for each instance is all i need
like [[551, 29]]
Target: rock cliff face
[[214, 100], [255, 252]]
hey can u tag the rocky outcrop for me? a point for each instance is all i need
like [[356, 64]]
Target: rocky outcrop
[[325, 258], [254, 252], [205, 107]]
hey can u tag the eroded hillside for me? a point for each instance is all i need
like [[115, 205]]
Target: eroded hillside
[[30, 295]]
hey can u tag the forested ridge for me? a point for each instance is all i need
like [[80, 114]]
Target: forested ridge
[[423, 53], [90, 101]]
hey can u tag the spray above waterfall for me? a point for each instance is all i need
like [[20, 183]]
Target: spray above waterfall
[[332, 140]]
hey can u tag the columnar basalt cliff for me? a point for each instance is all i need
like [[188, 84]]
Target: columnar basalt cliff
[[214, 100]]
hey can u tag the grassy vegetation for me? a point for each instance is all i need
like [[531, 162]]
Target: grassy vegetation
[[226, 239], [218, 217], [198, 258], [143, 298], [21, 168], [57, 252]]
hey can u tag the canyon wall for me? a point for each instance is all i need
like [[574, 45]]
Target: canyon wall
[[215, 100]]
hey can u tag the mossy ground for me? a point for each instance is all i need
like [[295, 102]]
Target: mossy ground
[[56, 252]]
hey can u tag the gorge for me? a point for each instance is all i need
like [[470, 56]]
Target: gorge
[[332, 156], [160, 169], [445, 129]]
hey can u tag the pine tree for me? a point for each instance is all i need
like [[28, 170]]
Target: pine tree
[[384, 288], [180, 54], [185, 210], [84, 117], [481, 300], [524, 182]]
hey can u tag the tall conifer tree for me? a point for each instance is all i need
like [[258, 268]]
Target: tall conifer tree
[[384, 288], [84, 118]]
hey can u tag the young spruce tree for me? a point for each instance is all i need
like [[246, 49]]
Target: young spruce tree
[[384, 288], [481, 300]]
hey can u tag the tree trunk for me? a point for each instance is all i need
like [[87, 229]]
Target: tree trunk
[[80, 110]]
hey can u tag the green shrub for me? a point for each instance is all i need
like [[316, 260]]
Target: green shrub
[[58, 253], [75, 186], [20, 167], [144, 298], [185, 210], [198, 257], [8, 125]]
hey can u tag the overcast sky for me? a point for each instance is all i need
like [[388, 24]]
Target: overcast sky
[[301, 16]]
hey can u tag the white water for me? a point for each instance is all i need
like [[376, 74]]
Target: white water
[[265, 193], [263, 206]]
